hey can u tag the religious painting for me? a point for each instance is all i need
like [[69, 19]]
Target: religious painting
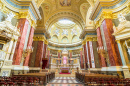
[[65, 2]]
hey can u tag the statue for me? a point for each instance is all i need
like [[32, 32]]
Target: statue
[[121, 17], [10, 16]]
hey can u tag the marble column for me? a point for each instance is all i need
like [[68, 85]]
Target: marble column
[[70, 53], [96, 55], [59, 54], [88, 54], [81, 59], [92, 54], [85, 54], [112, 47], [39, 54], [23, 25], [13, 49], [100, 44], [44, 51], [33, 54], [125, 67], [30, 40], [48, 56]]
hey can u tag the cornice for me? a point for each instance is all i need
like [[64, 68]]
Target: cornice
[[42, 31], [23, 6], [85, 31], [69, 15], [64, 45], [103, 4]]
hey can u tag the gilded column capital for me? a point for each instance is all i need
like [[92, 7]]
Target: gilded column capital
[[48, 49], [59, 51], [81, 49], [70, 51], [89, 39], [46, 42], [118, 41], [37, 38], [84, 42]]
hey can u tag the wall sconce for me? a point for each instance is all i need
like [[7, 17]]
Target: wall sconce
[[104, 53]]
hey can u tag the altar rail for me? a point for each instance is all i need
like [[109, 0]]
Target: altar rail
[[101, 79]]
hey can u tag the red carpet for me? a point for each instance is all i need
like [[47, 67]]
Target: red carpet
[[64, 73]]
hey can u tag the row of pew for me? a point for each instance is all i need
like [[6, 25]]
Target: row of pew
[[89, 79], [30, 79]]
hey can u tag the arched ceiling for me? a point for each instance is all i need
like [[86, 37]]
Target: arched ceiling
[[54, 10]]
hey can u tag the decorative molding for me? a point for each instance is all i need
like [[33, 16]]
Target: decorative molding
[[23, 6], [69, 15], [87, 31]]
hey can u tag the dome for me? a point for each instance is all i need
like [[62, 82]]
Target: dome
[[65, 31]]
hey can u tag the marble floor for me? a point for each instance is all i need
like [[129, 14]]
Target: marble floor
[[64, 81]]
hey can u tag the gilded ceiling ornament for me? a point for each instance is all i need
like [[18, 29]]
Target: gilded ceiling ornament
[[65, 32], [65, 2], [73, 31], [56, 32]]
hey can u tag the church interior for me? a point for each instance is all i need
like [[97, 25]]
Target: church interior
[[64, 42]]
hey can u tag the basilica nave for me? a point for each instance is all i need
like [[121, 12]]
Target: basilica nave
[[65, 42]]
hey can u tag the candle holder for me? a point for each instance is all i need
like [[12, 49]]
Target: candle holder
[[26, 52], [103, 52]]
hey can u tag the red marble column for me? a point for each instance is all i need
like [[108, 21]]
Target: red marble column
[[44, 52], [48, 56], [112, 47], [70, 52], [92, 54], [88, 54], [23, 26], [81, 58], [100, 44], [59, 53], [39, 54], [30, 41], [85, 53]]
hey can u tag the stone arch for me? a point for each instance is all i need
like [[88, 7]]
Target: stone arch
[[75, 38], [68, 15], [55, 38], [64, 40]]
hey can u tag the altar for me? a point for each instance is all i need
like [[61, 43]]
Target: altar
[[64, 69]]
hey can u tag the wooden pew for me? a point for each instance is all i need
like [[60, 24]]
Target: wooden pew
[[44, 78]]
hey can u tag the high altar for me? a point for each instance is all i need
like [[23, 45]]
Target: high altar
[[64, 64]]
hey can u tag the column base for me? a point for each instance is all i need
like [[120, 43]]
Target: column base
[[126, 72], [112, 68], [6, 68]]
